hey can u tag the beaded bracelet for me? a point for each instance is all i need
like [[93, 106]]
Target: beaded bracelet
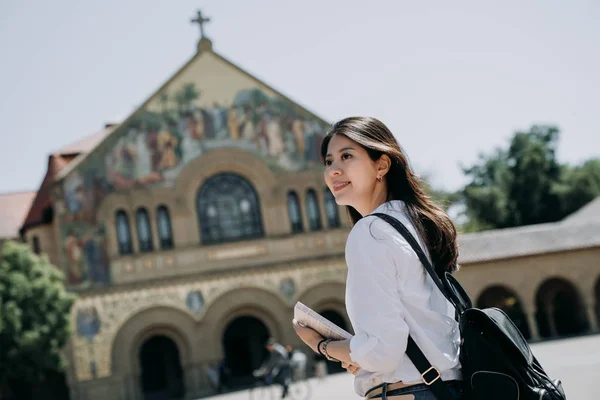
[[327, 356]]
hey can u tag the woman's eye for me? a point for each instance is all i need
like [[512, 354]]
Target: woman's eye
[[327, 163], [345, 156]]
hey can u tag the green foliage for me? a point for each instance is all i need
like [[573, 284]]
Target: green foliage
[[34, 315], [525, 184], [578, 185]]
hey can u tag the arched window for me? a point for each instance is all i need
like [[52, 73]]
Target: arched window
[[123, 233], [228, 210], [144, 230], [312, 210], [36, 244], [294, 212], [331, 210], [164, 227]]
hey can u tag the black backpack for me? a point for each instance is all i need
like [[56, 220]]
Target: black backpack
[[497, 363]]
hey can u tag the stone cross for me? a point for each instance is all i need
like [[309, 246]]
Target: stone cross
[[200, 20]]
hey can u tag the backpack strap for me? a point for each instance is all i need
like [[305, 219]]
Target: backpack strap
[[429, 374]]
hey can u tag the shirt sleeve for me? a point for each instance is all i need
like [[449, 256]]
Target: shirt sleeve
[[373, 294]]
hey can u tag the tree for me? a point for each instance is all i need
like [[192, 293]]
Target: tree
[[578, 185], [525, 184], [34, 319]]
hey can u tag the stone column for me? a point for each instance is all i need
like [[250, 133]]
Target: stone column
[[533, 328], [591, 315], [154, 234], [551, 322], [191, 378]]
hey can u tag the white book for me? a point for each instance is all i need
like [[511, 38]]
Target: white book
[[316, 321]]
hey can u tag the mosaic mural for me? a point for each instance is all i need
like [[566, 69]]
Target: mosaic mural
[[157, 143]]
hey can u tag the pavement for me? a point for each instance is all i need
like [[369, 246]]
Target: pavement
[[576, 362]]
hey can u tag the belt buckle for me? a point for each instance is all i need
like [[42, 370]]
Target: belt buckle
[[434, 379]]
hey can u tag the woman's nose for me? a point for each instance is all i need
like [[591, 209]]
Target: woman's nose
[[333, 170]]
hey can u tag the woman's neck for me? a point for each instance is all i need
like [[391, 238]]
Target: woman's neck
[[371, 205]]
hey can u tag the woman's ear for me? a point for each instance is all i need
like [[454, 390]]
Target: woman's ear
[[383, 165]]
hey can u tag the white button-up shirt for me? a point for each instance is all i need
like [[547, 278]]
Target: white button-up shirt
[[389, 295]]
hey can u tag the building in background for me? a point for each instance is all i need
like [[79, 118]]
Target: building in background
[[13, 209], [190, 230]]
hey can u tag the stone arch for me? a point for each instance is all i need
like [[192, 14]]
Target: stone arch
[[560, 311], [237, 161], [258, 303], [166, 321], [507, 300], [243, 342], [161, 372]]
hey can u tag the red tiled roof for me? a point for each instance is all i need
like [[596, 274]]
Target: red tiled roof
[[40, 210], [13, 209]]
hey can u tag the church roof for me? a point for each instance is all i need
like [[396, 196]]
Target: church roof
[[13, 209], [205, 47], [41, 207], [38, 208]]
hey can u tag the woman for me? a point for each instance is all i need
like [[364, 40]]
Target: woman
[[389, 295]]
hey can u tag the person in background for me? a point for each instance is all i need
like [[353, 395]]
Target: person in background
[[276, 368], [298, 361]]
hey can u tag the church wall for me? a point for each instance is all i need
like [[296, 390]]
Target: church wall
[[46, 239], [210, 104], [111, 327], [188, 256]]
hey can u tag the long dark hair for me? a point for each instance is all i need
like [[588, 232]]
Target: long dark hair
[[434, 225]]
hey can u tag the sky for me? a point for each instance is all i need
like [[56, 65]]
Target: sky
[[451, 80]]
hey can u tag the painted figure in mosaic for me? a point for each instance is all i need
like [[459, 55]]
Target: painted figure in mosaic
[[274, 135], [298, 130], [191, 146], [233, 124], [88, 322], [167, 142], [75, 258]]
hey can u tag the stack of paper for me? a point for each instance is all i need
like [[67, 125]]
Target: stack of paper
[[323, 326]]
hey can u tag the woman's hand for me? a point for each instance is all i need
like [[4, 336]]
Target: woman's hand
[[308, 335], [352, 368]]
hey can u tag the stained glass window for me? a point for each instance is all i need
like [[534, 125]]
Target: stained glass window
[[295, 214], [165, 233], [228, 210], [144, 230], [123, 233]]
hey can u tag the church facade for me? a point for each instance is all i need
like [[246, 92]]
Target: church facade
[[190, 230]]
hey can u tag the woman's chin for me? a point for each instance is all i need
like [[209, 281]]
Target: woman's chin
[[342, 200]]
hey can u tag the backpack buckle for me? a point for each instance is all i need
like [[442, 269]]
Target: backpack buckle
[[434, 379]]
